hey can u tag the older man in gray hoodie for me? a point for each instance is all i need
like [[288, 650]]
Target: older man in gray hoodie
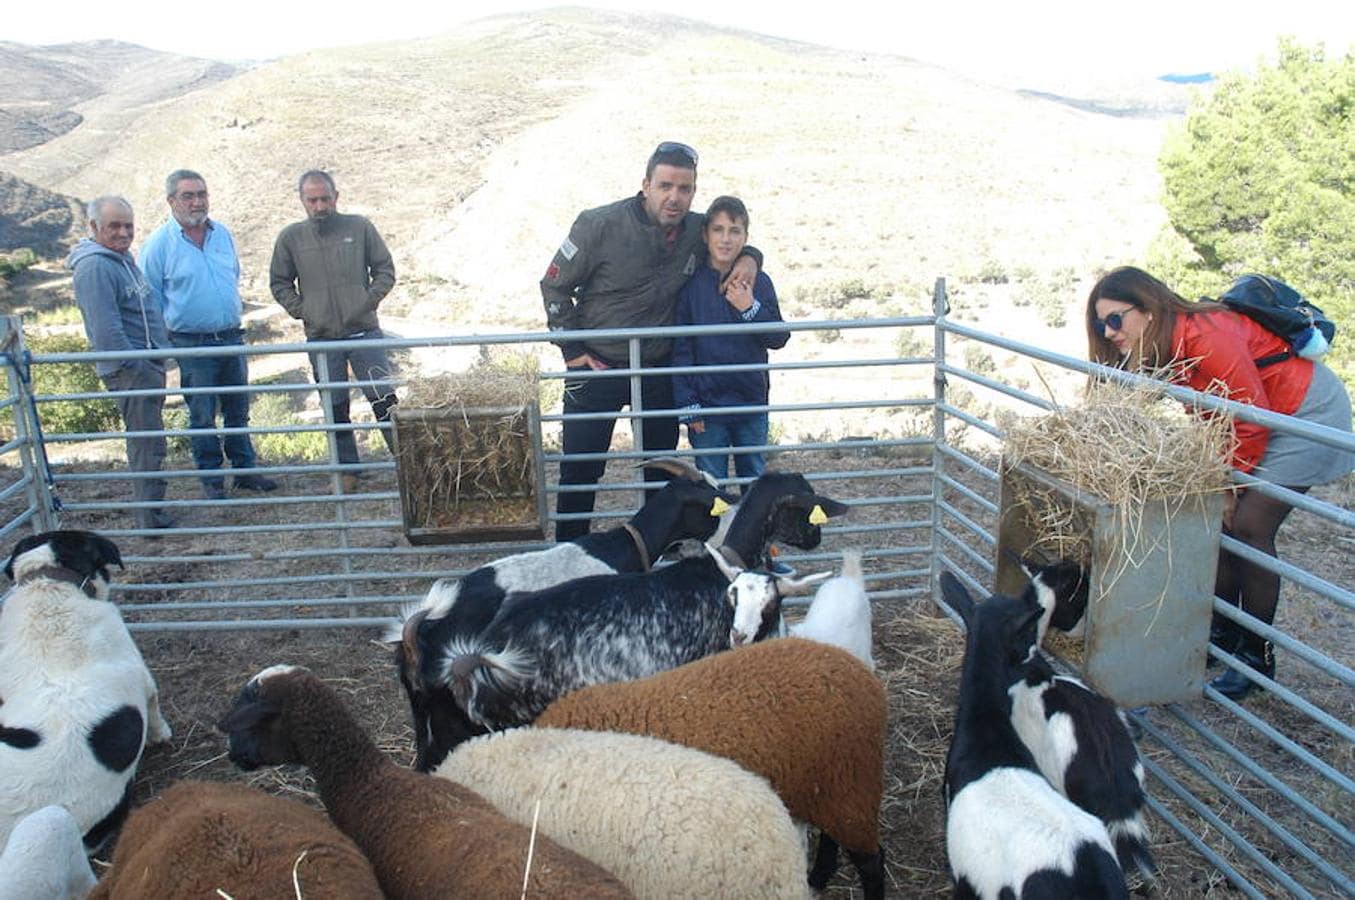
[[120, 313]]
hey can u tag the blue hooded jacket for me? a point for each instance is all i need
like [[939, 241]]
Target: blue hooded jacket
[[116, 303], [701, 303]]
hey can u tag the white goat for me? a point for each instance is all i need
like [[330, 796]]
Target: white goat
[[839, 613]]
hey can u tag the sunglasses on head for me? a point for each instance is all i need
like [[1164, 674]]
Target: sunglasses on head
[[1114, 321], [675, 147]]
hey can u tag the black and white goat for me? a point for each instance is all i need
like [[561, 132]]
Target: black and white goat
[[1009, 834], [78, 701], [1079, 739], [545, 644], [688, 507]]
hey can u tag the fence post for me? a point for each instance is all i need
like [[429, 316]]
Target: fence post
[[939, 309], [324, 376], [26, 427], [637, 405]]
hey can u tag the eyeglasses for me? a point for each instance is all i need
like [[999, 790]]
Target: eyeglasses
[[675, 147], [1114, 321]]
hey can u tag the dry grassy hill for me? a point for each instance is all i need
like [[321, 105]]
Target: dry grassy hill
[[474, 150]]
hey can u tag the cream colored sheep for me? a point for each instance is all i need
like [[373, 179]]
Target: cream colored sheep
[[669, 821], [807, 716]]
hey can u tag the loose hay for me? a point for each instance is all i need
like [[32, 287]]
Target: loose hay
[[465, 446], [1127, 445]]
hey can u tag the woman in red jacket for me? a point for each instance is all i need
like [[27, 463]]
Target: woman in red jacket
[[1136, 322]]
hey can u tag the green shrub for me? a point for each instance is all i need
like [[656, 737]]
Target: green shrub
[[16, 261], [177, 446], [992, 272], [70, 378], [1258, 178], [914, 342], [301, 446], [67, 314], [1053, 309], [979, 361], [281, 408]]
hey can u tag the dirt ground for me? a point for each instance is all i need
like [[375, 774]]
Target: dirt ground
[[918, 655]]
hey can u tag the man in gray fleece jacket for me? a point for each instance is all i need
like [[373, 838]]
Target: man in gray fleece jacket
[[120, 313], [331, 271]]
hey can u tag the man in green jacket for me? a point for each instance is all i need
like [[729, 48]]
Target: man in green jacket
[[331, 271]]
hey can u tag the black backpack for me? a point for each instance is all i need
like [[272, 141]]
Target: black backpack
[[1284, 311]]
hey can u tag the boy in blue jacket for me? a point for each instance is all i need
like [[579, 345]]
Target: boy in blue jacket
[[701, 303]]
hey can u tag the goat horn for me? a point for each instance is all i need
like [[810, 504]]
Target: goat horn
[[674, 466]]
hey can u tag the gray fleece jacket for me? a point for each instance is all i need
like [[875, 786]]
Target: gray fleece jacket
[[119, 310]]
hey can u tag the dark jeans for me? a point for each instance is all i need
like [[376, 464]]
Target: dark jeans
[[367, 365], [595, 436], [216, 371], [731, 431], [144, 454]]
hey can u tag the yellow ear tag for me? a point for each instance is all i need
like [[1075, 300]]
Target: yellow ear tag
[[817, 515], [719, 507]]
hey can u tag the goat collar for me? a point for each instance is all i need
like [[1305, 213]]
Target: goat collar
[[60, 573], [732, 556], [639, 545]]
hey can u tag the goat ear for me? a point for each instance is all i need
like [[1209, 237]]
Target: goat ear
[[24, 545], [727, 569], [105, 552], [821, 508], [247, 715], [956, 597]]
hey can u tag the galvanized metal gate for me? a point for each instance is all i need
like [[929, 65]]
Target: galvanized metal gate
[[869, 409]]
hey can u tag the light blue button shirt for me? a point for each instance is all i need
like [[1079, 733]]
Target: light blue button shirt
[[198, 289]]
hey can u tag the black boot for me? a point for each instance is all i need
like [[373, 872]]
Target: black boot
[[1224, 634], [1255, 652]]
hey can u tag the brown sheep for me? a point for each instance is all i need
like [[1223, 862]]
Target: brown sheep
[[426, 837], [201, 837], [808, 717]]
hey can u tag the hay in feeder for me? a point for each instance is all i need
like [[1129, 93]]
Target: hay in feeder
[[1128, 445], [466, 450]]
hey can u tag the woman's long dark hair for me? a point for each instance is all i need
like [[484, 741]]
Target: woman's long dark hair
[[1137, 288]]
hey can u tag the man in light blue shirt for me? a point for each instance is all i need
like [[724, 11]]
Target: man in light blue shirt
[[194, 274]]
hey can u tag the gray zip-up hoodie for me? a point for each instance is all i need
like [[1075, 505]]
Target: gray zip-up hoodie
[[119, 310]]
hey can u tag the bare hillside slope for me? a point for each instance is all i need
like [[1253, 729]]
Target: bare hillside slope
[[473, 152]]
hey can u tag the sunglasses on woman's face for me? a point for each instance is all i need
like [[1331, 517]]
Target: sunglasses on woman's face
[[1114, 322]]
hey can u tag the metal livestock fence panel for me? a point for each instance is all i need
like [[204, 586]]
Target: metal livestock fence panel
[[873, 411]]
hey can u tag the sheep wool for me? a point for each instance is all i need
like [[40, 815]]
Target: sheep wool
[[202, 838], [669, 821], [427, 839], [45, 858], [806, 716]]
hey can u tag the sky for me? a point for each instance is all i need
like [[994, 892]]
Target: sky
[[1020, 39]]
